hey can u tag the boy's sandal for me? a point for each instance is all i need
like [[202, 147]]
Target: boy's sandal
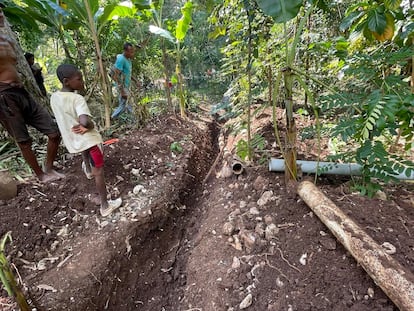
[[112, 205]]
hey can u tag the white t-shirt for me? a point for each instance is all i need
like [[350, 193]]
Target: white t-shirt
[[67, 107]]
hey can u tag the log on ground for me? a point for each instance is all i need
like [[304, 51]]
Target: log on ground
[[396, 281]]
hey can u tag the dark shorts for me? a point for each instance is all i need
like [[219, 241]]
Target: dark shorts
[[18, 109], [96, 156]]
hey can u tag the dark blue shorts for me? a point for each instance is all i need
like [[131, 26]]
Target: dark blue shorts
[[18, 109]]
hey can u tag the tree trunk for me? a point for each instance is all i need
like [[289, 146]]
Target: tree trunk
[[396, 281], [23, 68]]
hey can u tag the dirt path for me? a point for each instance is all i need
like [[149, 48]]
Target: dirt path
[[177, 244]]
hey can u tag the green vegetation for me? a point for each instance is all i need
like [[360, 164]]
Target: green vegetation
[[347, 65]]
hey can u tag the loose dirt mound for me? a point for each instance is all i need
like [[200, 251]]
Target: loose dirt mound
[[180, 244]]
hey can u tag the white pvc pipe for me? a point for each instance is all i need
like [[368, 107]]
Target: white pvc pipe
[[278, 165]]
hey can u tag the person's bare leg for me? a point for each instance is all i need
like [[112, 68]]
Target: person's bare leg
[[98, 173], [52, 150], [30, 157], [86, 160]]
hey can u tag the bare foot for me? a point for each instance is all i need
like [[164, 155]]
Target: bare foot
[[45, 178], [56, 174]]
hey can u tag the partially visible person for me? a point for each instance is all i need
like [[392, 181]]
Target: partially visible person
[[78, 131], [121, 74], [37, 72], [18, 109]]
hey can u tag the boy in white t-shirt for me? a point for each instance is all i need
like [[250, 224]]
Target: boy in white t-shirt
[[78, 130]]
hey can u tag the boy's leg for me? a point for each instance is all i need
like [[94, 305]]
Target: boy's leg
[[98, 173], [97, 161]]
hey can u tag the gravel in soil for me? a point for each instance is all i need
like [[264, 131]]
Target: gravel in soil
[[190, 236]]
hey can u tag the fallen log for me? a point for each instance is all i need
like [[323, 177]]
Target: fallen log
[[396, 281]]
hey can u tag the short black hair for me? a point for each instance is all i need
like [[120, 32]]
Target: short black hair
[[28, 55], [127, 45], [66, 71]]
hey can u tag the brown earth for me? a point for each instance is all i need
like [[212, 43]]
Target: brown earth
[[189, 237]]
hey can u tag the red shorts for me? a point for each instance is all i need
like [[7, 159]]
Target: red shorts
[[96, 156]]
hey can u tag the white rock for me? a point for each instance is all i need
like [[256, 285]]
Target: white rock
[[228, 228], [135, 171], [265, 198], [268, 219], [271, 231], [303, 259], [236, 263], [8, 186], [370, 292], [254, 211], [389, 248], [139, 188], [246, 302]]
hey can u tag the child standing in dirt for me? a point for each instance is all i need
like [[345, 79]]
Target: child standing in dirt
[[78, 131]]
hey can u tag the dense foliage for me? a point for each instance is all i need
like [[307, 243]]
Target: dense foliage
[[347, 63]]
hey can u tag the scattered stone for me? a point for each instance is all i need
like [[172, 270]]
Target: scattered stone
[[228, 228], [260, 183], [236, 263], [237, 245], [225, 172], [380, 195], [303, 259], [268, 219], [260, 229], [271, 231], [249, 240], [246, 302], [8, 186], [139, 188], [279, 282], [254, 211], [389, 248], [370, 292], [265, 198], [135, 172], [243, 204]]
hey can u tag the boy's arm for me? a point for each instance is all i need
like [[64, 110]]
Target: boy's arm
[[85, 124]]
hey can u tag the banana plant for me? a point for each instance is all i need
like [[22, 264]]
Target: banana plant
[[7, 277], [94, 18], [181, 29], [283, 11]]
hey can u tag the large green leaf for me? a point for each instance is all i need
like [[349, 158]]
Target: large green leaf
[[184, 22], [280, 10], [162, 33], [377, 20]]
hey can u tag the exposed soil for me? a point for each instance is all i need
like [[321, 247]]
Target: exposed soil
[[189, 237]]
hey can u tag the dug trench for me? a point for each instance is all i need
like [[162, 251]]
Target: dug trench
[[136, 258], [186, 241]]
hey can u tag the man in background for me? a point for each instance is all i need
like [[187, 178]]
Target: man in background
[[37, 72], [121, 74]]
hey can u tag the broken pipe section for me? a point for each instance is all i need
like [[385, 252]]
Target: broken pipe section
[[278, 165]]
